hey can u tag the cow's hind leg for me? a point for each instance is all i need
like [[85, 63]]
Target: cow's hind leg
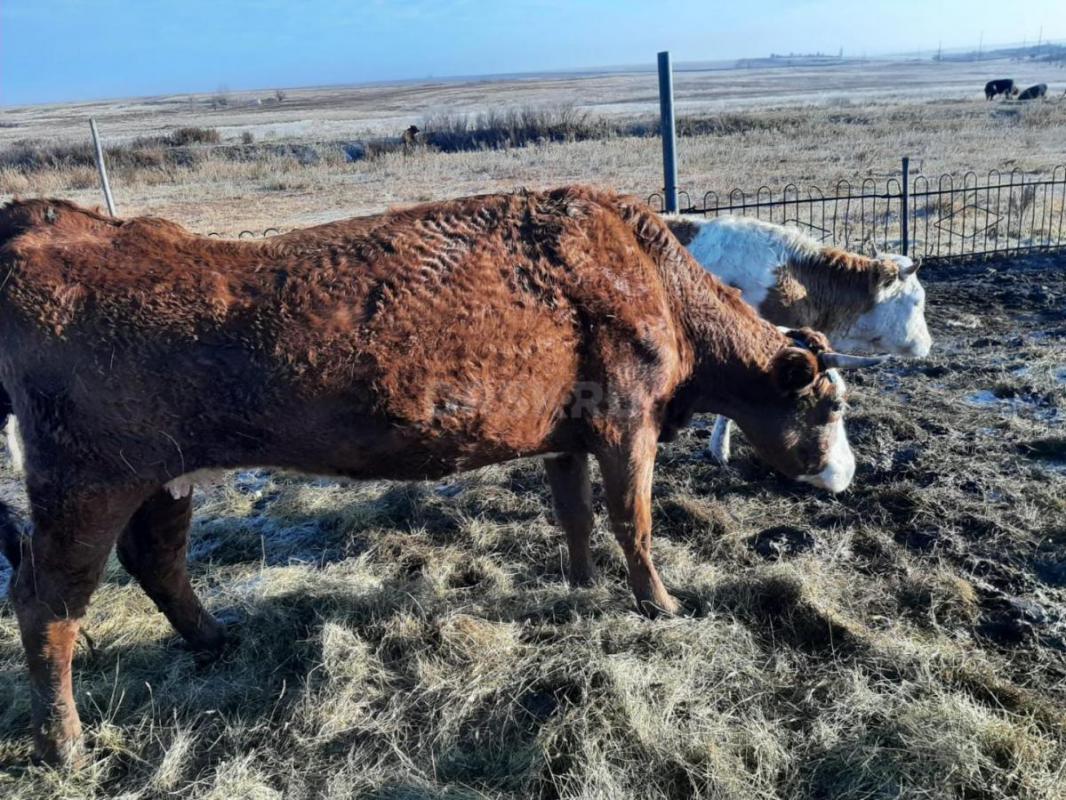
[[627, 477], [568, 476], [152, 548], [73, 536]]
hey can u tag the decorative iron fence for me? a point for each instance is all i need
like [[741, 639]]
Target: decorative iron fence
[[945, 217], [247, 234]]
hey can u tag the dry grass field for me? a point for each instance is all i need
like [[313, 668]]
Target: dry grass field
[[752, 127], [904, 639]]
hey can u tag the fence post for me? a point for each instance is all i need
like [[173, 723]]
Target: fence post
[[103, 169], [905, 204], [668, 132]]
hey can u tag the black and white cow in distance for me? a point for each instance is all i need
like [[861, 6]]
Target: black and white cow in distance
[[1003, 86]]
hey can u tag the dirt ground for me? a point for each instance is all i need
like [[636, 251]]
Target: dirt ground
[[904, 639]]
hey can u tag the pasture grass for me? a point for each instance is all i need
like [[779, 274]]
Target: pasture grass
[[905, 639]]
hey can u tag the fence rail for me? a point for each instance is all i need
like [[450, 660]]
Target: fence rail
[[945, 217], [246, 234]]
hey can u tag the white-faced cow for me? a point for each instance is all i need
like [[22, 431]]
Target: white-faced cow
[[861, 303], [408, 345]]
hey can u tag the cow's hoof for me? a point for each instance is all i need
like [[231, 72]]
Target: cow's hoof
[[208, 651], [581, 578], [662, 605], [67, 754], [718, 456], [692, 604], [215, 637]]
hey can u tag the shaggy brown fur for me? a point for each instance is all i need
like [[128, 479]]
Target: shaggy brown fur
[[827, 291], [407, 345]]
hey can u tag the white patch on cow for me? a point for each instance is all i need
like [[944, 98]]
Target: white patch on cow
[[14, 444], [839, 467], [719, 448], [182, 486], [896, 323], [743, 253]]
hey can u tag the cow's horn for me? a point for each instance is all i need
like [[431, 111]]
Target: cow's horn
[[916, 265], [844, 361]]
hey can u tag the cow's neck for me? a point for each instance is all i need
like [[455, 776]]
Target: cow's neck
[[731, 346], [827, 290], [725, 348]]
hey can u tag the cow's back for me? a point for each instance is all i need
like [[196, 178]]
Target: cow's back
[[437, 327], [743, 253]]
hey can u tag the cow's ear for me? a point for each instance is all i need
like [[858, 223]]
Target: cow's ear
[[813, 340], [793, 370]]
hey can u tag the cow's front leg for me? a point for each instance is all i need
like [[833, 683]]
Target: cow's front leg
[[627, 478], [73, 535], [720, 446], [152, 548], [568, 476]]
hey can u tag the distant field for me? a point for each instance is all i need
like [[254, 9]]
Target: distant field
[[775, 126]]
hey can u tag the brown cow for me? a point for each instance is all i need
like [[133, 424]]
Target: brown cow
[[410, 138], [408, 345]]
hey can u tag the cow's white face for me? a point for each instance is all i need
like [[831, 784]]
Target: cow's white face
[[896, 323], [838, 466]]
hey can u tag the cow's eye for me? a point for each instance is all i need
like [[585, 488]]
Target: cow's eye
[[838, 406]]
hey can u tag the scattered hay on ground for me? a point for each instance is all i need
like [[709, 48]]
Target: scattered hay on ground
[[903, 639]]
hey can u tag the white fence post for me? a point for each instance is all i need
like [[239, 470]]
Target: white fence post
[[103, 169]]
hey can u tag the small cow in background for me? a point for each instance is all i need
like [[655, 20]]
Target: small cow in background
[[410, 138], [872, 304], [1034, 92], [1003, 86]]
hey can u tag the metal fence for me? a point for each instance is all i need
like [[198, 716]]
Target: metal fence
[[942, 217], [246, 234]]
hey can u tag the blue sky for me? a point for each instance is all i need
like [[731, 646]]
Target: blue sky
[[52, 50]]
